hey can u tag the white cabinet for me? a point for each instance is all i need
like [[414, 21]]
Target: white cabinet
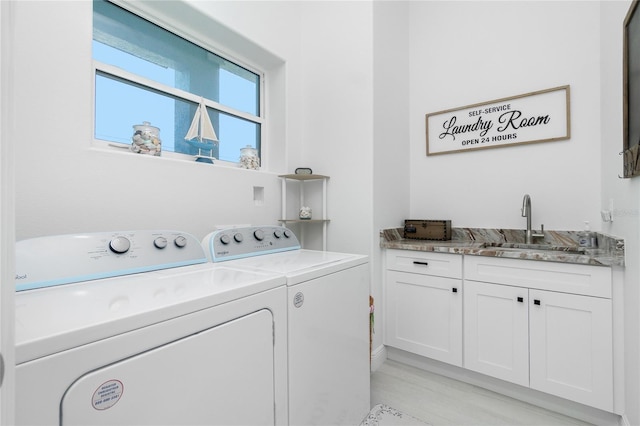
[[496, 335], [543, 325], [571, 347], [319, 203], [424, 304]]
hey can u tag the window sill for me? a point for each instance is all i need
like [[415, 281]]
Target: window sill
[[121, 149]]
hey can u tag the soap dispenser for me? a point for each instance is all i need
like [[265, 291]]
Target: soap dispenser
[[587, 238]]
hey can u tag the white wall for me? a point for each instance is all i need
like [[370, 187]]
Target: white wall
[[625, 193], [337, 115], [327, 50], [391, 135], [323, 120], [7, 221], [470, 52], [64, 185]]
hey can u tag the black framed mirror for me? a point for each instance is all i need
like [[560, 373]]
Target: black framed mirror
[[631, 92]]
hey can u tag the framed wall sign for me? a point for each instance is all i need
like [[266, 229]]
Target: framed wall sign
[[541, 116], [631, 93]]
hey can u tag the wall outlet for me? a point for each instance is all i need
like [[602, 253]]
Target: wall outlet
[[258, 195], [606, 216]]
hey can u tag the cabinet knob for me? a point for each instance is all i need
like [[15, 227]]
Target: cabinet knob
[[455, 290], [415, 262], [536, 302], [520, 299]]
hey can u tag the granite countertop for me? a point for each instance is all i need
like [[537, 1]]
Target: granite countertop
[[556, 246]]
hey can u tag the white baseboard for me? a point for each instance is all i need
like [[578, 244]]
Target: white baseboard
[[540, 399], [624, 421], [378, 357]]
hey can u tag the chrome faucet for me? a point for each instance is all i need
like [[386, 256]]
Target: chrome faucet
[[526, 212]]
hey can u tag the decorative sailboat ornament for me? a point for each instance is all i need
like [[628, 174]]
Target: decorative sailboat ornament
[[202, 130]]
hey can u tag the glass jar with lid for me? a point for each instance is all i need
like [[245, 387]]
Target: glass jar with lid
[[249, 158], [146, 139]]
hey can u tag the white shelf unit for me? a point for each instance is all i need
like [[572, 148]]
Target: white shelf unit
[[301, 180]]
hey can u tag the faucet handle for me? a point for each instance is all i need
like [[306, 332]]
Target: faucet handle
[[540, 234]]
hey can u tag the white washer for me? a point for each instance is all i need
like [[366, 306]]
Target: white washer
[[136, 328], [328, 322]]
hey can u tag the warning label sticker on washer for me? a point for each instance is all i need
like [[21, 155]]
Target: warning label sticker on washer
[[107, 395]]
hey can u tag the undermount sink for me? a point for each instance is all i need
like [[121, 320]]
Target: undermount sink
[[536, 247]]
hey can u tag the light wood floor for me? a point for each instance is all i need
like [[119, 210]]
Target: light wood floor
[[442, 401]]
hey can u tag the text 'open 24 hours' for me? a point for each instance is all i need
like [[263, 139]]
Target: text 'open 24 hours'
[[541, 116]]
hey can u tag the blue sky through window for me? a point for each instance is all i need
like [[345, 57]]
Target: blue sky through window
[[120, 106], [151, 52]]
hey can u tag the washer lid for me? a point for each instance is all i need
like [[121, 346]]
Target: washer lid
[[50, 320], [302, 265]]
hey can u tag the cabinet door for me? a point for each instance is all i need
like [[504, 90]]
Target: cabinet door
[[496, 339], [424, 315], [571, 347]]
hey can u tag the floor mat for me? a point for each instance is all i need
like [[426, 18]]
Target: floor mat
[[383, 415]]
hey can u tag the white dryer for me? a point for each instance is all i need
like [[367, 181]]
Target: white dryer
[[137, 328], [328, 322]]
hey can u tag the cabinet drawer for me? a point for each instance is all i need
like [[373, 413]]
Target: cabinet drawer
[[426, 263], [588, 280]]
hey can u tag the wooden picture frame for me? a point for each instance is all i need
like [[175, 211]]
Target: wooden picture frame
[[631, 93], [541, 116]]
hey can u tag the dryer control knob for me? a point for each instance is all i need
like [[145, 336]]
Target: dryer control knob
[[225, 239], [238, 237], [180, 241], [120, 245], [287, 233], [259, 234], [160, 242], [277, 233]]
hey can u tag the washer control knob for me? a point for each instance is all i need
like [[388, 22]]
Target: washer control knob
[[120, 245], [225, 239], [259, 234], [180, 241], [287, 233], [277, 233], [160, 242], [238, 237]]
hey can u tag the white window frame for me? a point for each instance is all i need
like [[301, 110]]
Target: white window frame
[[179, 93]]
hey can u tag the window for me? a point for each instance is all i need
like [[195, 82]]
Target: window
[[146, 73]]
